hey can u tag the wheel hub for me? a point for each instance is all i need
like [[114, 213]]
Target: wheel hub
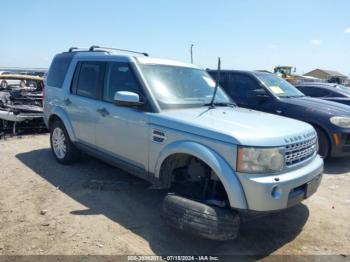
[[59, 143]]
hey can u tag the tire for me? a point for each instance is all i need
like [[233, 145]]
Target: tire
[[62, 147], [323, 143], [200, 219], [4, 84]]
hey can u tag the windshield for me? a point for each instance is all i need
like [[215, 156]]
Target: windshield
[[181, 87], [279, 86], [345, 89]]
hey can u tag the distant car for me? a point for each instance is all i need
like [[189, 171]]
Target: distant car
[[6, 82], [269, 93], [327, 91], [34, 73]]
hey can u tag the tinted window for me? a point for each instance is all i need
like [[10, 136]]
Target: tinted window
[[305, 90], [119, 77], [58, 69], [239, 86], [315, 91], [90, 79]]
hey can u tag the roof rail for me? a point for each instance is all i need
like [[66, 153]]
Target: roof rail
[[72, 49], [92, 48]]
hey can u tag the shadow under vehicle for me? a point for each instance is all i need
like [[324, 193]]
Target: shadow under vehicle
[[129, 202]]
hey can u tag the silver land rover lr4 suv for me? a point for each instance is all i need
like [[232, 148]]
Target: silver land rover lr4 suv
[[151, 117]]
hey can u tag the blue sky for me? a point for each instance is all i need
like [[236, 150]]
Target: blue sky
[[246, 34]]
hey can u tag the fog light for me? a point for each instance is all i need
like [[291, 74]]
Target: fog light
[[276, 192]]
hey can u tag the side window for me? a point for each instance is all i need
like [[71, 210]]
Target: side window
[[317, 92], [58, 69], [305, 90], [89, 82], [119, 77], [243, 86]]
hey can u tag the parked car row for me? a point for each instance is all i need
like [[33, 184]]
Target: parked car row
[[171, 124], [269, 93], [327, 91]]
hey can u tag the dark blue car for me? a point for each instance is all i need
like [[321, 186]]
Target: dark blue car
[[327, 91], [269, 93]]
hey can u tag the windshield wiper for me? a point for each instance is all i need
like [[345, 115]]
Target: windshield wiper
[[217, 81], [292, 96], [230, 104]]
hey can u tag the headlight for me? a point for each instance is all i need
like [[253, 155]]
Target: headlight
[[259, 160], [340, 121]]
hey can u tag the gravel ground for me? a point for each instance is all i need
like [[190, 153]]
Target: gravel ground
[[93, 208]]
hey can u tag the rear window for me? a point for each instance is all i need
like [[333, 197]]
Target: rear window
[[58, 69], [88, 79]]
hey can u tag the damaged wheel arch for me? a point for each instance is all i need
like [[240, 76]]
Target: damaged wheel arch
[[218, 165]]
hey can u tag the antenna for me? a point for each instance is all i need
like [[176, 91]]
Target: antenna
[[217, 82], [191, 51]]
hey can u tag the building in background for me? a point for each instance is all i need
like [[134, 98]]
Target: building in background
[[328, 76]]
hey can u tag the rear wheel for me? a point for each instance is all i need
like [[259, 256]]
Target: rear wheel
[[62, 147], [323, 143]]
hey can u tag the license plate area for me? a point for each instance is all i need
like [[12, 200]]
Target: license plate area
[[304, 191], [311, 187]]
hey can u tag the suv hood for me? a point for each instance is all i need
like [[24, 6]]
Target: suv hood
[[314, 104], [235, 125]]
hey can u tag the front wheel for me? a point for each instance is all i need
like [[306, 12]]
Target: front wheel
[[323, 143], [62, 147], [200, 219]]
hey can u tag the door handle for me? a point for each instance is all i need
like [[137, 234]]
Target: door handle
[[67, 102], [103, 111], [279, 111]]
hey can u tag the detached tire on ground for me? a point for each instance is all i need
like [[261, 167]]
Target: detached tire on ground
[[62, 147], [200, 219]]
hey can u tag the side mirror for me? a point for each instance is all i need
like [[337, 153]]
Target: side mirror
[[125, 98], [261, 93]]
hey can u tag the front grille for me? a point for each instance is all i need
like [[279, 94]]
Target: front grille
[[301, 151]]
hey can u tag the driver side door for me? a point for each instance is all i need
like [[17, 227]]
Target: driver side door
[[122, 132]]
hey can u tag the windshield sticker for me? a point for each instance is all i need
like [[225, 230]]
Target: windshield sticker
[[277, 90]]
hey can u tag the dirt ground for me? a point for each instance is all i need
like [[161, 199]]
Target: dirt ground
[[93, 208]]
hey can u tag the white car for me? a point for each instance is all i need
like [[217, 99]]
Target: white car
[[11, 80]]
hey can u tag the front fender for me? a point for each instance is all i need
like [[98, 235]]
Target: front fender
[[62, 114], [225, 173]]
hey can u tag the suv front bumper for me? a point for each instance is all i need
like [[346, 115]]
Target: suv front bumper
[[275, 192]]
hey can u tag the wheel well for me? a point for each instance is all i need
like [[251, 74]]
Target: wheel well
[[53, 119], [325, 132], [193, 177]]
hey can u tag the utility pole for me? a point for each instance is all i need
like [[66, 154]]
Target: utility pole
[[191, 51]]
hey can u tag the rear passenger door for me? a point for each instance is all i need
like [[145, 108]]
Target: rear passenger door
[[121, 131], [82, 104]]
